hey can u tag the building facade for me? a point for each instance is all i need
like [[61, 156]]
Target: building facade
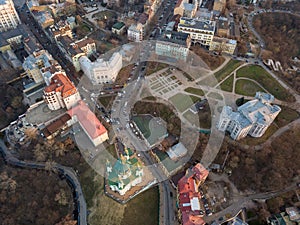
[[174, 44], [253, 118], [201, 31], [88, 121], [102, 71], [61, 92], [223, 45], [9, 18]]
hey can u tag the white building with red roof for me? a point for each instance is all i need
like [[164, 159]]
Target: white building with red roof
[[96, 132], [189, 197], [61, 92]]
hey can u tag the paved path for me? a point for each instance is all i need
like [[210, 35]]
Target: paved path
[[68, 172]]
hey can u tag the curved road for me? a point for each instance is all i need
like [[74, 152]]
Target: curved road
[[68, 172]]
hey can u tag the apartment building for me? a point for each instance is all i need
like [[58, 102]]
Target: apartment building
[[201, 31], [36, 64], [61, 92], [174, 44], [223, 45], [136, 32], [102, 71], [253, 118], [75, 49], [9, 17]]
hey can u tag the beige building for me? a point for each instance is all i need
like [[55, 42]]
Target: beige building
[[61, 92], [102, 71], [186, 8], [223, 45], [9, 17], [201, 31]]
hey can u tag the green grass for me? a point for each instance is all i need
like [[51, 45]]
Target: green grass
[[227, 84], [143, 209], [182, 101], [227, 69], [194, 91], [286, 116], [260, 75], [246, 87]]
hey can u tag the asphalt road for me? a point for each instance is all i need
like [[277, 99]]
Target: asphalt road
[[68, 172], [52, 48]]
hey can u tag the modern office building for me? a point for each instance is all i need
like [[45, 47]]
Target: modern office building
[[9, 18], [253, 118], [201, 31]]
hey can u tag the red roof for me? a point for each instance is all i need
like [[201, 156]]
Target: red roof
[[61, 83], [88, 120], [200, 172], [188, 189]]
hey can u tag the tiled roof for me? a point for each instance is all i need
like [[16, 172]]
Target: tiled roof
[[88, 120], [61, 83]]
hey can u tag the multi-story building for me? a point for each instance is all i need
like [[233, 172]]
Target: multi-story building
[[223, 45], [101, 71], [191, 209], [88, 121], [9, 17], [201, 31], [174, 44], [136, 32], [61, 92], [36, 62], [253, 118], [223, 27], [74, 50], [186, 8], [118, 28], [12, 38], [62, 28]]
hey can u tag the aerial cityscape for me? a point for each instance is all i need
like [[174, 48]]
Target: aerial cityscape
[[150, 112]]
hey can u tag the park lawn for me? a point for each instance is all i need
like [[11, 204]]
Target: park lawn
[[260, 75], [247, 88], [227, 84], [286, 116], [227, 69], [182, 101], [153, 67], [194, 91], [143, 209]]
